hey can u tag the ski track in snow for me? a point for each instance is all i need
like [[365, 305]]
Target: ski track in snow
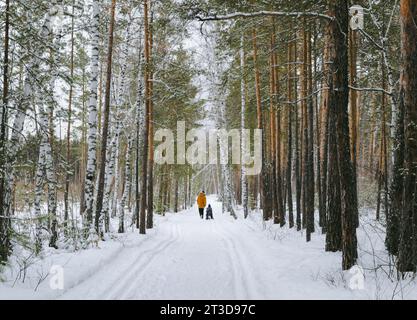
[[244, 281], [186, 251], [188, 258], [185, 257]]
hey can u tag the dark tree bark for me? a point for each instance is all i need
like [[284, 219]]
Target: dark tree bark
[[162, 183], [394, 213], [277, 155], [338, 101], [176, 195], [298, 137], [334, 206], [310, 148], [5, 246], [304, 132], [353, 96], [407, 258], [324, 139], [149, 215], [273, 132], [265, 171], [289, 137], [383, 159], [68, 173], [141, 222]]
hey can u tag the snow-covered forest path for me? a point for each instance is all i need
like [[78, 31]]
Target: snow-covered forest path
[[190, 258]]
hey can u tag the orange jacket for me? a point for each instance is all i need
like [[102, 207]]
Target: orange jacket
[[201, 200]]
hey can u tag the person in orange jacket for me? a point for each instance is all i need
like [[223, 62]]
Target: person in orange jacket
[[201, 202]]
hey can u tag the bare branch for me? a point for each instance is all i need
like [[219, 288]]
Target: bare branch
[[371, 90], [263, 14]]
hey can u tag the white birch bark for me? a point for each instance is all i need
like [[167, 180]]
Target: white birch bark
[[92, 118], [23, 107], [127, 186], [45, 169], [108, 180], [243, 178], [140, 126], [219, 91], [45, 161], [39, 182], [392, 86], [225, 169], [120, 101], [49, 161]]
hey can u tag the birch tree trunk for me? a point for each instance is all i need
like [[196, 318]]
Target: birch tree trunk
[[244, 181], [127, 186], [108, 181], [92, 119], [105, 133], [22, 107], [225, 170], [45, 161], [140, 134], [68, 174], [120, 101]]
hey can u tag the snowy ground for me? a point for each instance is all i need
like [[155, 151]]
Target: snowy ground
[[185, 257]]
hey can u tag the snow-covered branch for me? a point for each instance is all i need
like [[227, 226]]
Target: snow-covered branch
[[263, 13], [371, 90]]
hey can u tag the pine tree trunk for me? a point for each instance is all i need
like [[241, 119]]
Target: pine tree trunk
[[407, 258], [176, 195], [324, 137], [339, 100], [5, 247], [290, 138], [68, 166], [141, 222], [298, 137], [277, 156], [304, 132], [264, 176], [310, 148], [353, 97], [272, 118], [149, 215], [394, 214], [333, 200], [334, 206]]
